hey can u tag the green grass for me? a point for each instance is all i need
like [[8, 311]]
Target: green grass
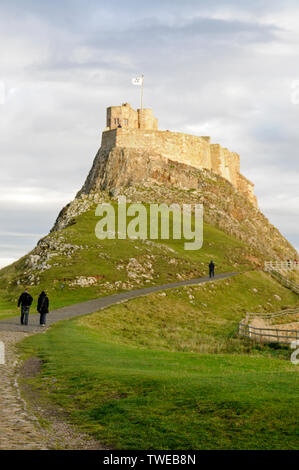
[[144, 375], [293, 275], [202, 318], [137, 375], [132, 398], [107, 260]]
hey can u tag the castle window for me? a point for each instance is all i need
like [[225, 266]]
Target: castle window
[[116, 121], [126, 122]]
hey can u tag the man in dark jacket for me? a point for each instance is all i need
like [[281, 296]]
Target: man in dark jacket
[[211, 269], [43, 307], [25, 301]]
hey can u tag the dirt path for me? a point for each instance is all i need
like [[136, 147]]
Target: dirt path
[[19, 427], [265, 326]]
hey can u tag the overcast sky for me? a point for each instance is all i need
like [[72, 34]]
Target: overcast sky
[[228, 69]]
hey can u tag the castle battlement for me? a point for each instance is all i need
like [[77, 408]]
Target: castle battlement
[[129, 118], [196, 151]]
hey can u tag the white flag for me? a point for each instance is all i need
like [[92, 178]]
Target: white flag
[[137, 81]]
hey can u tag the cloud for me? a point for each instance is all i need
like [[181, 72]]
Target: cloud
[[223, 69], [6, 261]]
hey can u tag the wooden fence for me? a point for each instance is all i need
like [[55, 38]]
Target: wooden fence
[[283, 280], [273, 335], [269, 316], [268, 335], [281, 265]]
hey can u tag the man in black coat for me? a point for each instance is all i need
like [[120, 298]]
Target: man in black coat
[[211, 269], [43, 307], [25, 301]]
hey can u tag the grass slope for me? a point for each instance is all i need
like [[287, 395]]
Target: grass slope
[[109, 262], [143, 399], [202, 318], [131, 375]]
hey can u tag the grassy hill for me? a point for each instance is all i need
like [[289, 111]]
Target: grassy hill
[[202, 318], [167, 371], [294, 276], [73, 265]]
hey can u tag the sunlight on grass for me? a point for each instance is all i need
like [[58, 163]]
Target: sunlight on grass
[[132, 398], [201, 318]]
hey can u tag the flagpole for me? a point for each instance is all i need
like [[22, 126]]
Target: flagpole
[[141, 109]]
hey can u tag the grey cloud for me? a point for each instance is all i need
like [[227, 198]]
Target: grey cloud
[[202, 26], [205, 72]]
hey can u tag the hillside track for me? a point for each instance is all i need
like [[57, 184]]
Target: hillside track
[[19, 428], [91, 306]]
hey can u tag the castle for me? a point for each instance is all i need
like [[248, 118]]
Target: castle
[[128, 128]]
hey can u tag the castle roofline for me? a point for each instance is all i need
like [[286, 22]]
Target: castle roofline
[[129, 118]]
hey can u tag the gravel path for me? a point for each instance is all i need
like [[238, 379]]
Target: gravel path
[[75, 310], [19, 428]]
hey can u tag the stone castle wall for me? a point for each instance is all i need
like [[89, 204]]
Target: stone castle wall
[[195, 151], [225, 163], [182, 148], [129, 118]]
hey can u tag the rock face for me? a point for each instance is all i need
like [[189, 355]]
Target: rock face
[[152, 178], [38, 260], [138, 164], [121, 167], [159, 166], [127, 128], [191, 150]]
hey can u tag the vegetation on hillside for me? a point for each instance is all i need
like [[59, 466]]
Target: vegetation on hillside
[[201, 318], [144, 374], [73, 265], [166, 371], [293, 275], [132, 397]]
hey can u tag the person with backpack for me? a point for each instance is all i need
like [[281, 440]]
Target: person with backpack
[[43, 307], [211, 269], [25, 301]]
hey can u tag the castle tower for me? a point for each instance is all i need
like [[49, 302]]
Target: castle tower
[[127, 117], [132, 129]]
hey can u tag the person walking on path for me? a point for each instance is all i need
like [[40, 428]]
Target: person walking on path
[[43, 307], [211, 269], [25, 301]]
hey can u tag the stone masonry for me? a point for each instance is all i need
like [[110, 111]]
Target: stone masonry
[[132, 130], [127, 117]]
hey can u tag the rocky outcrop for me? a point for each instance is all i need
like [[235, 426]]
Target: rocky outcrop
[[149, 177], [40, 258], [125, 129]]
